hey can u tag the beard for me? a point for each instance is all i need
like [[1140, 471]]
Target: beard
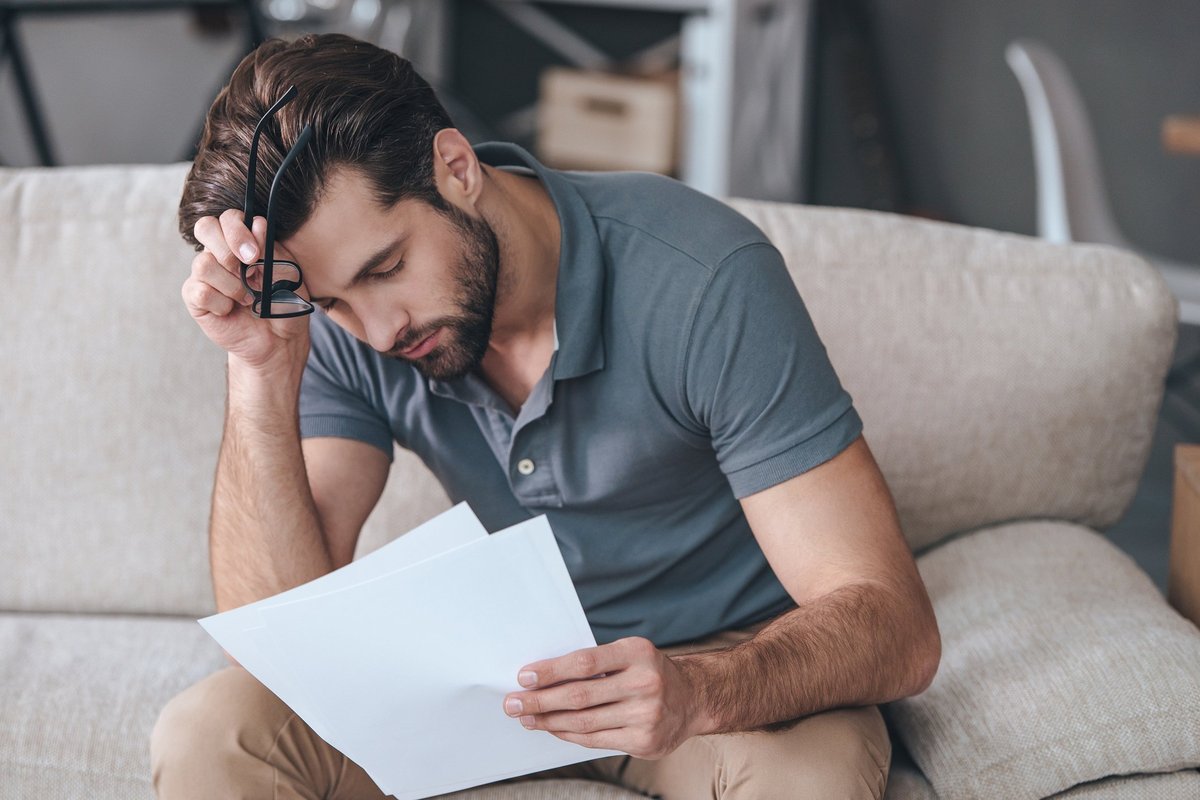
[[465, 333]]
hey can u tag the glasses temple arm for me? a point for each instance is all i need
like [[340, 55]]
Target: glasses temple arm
[[269, 254], [248, 204]]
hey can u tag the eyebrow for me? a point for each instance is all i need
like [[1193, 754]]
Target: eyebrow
[[368, 266]]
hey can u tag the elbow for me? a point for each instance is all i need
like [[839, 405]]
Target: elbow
[[926, 657]]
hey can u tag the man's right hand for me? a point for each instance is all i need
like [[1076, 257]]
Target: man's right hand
[[217, 300]]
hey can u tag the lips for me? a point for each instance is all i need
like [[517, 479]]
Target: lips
[[423, 347]]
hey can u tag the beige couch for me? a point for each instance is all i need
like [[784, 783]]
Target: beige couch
[[1009, 390]]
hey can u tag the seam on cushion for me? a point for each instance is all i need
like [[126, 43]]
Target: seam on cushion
[[1075, 736], [60, 767], [1126, 776]]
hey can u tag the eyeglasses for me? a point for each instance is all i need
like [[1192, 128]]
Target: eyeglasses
[[273, 283]]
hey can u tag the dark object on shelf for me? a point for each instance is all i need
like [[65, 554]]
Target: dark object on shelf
[[852, 120]]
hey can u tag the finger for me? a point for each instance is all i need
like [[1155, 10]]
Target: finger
[[240, 239], [569, 696], [607, 740], [207, 231], [585, 663], [599, 718], [206, 269], [202, 299]]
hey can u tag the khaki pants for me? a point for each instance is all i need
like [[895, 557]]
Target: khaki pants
[[229, 737]]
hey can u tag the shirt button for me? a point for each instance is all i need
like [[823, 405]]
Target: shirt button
[[526, 466]]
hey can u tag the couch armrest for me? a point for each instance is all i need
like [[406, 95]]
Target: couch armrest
[[1183, 588]]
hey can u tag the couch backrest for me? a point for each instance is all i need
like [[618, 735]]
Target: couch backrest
[[999, 377]]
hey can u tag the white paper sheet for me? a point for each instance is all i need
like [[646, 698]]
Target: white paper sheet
[[238, 630], [404, 667]]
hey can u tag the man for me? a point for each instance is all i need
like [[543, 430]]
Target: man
[[617, 351]]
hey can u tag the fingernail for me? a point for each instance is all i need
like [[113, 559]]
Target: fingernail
[[512, 706], [247, 252], [527, 722], [527, 678], [248, 299]]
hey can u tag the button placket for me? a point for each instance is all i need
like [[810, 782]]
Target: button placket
[[530, 467]]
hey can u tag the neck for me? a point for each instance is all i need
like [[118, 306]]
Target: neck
[[525, 220]]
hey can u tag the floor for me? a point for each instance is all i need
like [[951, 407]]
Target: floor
[[1144, 531]]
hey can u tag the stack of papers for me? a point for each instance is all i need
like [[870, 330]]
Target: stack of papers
[[401, 660]]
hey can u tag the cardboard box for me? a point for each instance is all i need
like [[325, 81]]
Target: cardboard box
[[1183, 587], [596, 120]]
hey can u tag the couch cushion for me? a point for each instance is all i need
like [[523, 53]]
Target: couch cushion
[[1184, 785], [999, 377], [80, 695], [955, 342], [113, 398], [905, 781], [1061, 665]]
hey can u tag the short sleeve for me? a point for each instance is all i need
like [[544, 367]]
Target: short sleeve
[[335, 399], [757, 377]]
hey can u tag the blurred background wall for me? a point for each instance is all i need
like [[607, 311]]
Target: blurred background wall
[[132, 87]]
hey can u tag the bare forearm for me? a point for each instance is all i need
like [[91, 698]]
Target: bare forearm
[[848, 648], [265, 535]]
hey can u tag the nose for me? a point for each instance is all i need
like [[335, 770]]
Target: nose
[[382, 330]]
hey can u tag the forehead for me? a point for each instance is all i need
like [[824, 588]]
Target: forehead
[[346, 216]]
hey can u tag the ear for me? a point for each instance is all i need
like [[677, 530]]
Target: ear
[[456, 170]]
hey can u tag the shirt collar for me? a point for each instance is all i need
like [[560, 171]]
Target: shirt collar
[[579, 297]]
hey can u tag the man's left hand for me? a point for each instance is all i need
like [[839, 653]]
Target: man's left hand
[[625, 696]]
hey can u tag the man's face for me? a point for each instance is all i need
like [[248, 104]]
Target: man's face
[[413, 282]]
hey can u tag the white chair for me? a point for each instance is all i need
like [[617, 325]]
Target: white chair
[[1072, 202]]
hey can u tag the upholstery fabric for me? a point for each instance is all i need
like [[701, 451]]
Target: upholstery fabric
[[113, 398], [81, 693], [546, 790], [939, 332], [905, 781], [1184, 785], [80, 696], [1061, 665], [998, 377], [79, 707]]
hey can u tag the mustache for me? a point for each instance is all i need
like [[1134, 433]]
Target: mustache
[[408, 341], [413, 337]]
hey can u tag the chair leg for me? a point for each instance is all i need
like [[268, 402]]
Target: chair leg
[[10, 47]]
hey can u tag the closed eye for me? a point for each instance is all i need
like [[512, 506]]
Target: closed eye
[[383, 276], [328, 305]]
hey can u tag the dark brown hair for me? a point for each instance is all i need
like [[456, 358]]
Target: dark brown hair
[[369, 109]]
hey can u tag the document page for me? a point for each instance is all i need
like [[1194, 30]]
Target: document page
[[403, 666], [238, 630]]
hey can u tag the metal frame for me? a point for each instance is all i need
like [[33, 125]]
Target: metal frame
[[12, 51]]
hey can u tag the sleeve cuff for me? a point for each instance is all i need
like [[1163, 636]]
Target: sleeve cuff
[[800, 458], [347, 428]]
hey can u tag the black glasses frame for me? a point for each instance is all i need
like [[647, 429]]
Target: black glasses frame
[[281, 292]]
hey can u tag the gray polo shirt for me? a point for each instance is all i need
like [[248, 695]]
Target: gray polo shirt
[[687, 375]]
